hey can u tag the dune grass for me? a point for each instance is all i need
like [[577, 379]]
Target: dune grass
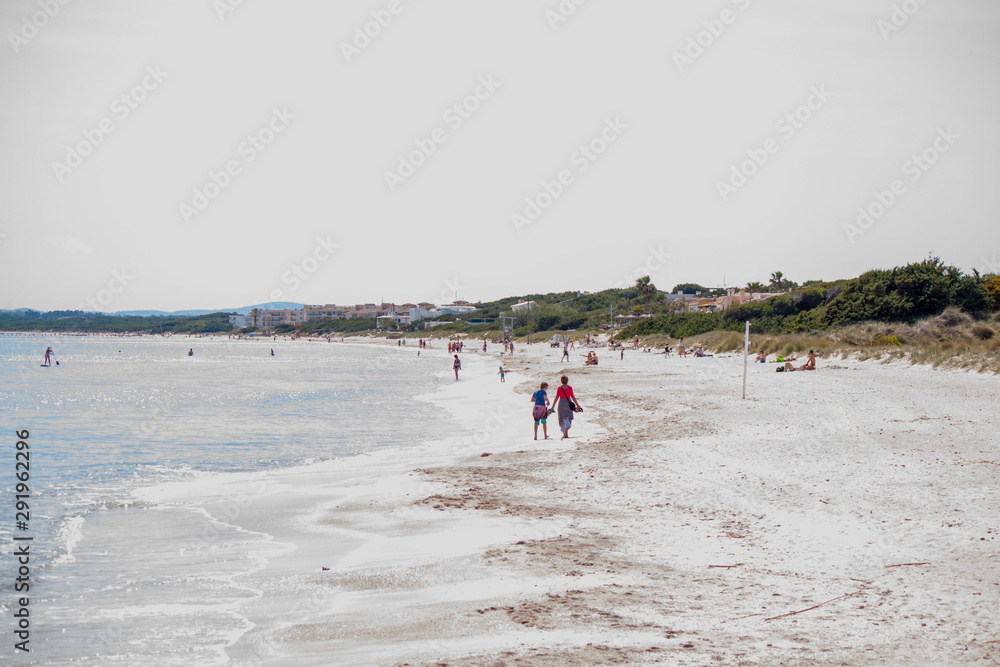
[[950, 340]]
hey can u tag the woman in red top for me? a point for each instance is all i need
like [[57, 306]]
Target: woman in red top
[[564, 395]]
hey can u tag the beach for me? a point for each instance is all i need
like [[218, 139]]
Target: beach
[[845, 516], [353, 504]]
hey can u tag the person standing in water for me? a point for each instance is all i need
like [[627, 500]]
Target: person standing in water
[[457, 365], [191, 352]]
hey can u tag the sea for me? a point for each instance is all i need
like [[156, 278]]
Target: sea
[[122, 575]]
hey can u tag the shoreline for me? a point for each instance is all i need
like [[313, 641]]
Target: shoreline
[[680, 524], [694, 528]]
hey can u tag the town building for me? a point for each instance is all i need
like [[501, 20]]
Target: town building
[[417, 313], [273, 318], [730, 299], [402, 314]]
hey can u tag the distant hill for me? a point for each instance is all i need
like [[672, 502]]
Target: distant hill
[[245, 310]]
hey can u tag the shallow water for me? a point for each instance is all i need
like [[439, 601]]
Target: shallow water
[[157, 581]]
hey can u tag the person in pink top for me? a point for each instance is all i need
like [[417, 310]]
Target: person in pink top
[[566, 404]]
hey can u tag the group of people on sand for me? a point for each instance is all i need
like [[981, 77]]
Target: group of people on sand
[[565, 405], [455, 347], [810, 364], [786, 362]]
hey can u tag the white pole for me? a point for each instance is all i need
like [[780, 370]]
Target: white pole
[[746, 354]]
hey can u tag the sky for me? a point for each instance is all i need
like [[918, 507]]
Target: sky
[[223, 153]]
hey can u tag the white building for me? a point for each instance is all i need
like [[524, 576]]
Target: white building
[[523, 307], [239, 321], [417, 314]]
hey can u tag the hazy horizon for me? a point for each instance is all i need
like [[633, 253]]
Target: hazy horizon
[[198, 155], [662, 288]]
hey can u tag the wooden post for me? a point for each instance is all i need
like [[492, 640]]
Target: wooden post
[[746, 356]]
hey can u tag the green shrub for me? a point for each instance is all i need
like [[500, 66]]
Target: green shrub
[[884, 340]]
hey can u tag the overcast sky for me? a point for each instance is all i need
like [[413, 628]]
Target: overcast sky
[[116, 114]]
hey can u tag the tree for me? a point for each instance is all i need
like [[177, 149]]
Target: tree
[[254, 314], [645, 288], [688, 288], [756, 287], [972, 295], [777, 282], [992, 284]]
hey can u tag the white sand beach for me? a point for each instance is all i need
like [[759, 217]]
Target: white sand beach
[[847, 516]]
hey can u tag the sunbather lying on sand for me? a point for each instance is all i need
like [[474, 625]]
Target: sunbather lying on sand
[[810, 364]]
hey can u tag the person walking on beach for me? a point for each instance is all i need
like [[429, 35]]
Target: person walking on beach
[[457, 365], [565, 355], [566, 404], [680, 348], [540, 409], [502, 374]]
